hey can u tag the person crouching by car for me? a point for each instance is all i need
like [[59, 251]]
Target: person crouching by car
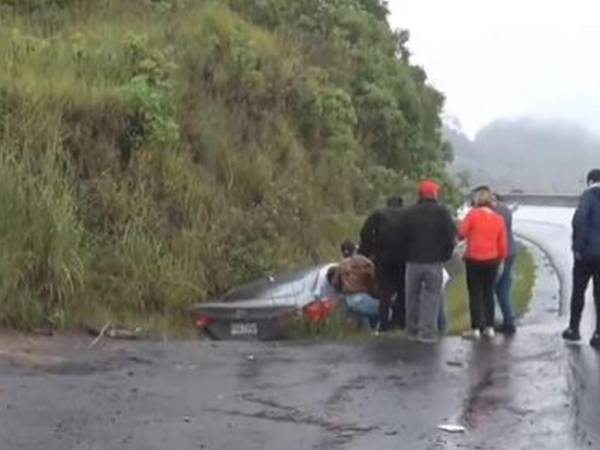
[[355, 279], [487, 247]]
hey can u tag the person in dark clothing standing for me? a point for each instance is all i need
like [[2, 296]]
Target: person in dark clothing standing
[[586, 254], [504, 282], [430, 235], [381, 240]]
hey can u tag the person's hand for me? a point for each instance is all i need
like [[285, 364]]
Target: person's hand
[[500, 269]]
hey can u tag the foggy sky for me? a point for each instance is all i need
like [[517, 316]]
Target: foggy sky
[[511, 58]]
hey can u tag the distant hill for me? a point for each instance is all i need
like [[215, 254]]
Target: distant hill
[[526, 154]]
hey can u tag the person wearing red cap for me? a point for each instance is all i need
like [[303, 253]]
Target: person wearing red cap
[[430, 235]]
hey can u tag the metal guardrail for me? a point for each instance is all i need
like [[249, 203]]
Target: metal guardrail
[[565, 200]]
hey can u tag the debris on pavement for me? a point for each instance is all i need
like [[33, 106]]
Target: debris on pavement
[[452, 428], [454, 363], [100, 335], [250, 358], [113, 332], [122, 333]]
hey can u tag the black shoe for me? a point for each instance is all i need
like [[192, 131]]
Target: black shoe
[[571, 335], [595, 341], [506, 328]]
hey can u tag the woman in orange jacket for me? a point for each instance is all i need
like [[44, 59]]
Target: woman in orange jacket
[[487, 246]]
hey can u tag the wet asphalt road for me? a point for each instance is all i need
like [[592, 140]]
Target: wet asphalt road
[[528, 392]]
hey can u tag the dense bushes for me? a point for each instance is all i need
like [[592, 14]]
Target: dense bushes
[[156, 152]]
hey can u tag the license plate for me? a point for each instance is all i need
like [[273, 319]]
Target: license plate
[[244, 329]]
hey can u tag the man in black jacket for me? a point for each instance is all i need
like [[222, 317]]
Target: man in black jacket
[[381, 240], [430, 235], [586, 254]]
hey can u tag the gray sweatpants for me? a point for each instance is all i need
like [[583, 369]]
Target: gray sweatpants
[[424, 296]]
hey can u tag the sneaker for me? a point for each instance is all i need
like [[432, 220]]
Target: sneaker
[[472, 335], [427, 339], [595, 341], [571, 335], [506, 328], [489, 332]]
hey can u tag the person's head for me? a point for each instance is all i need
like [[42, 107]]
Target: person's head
[[429, 189], [483, 197], [474, 191], [348, 248], [593, 176], [395, 202]]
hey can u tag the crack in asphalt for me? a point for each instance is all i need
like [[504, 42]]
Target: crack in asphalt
[[339, 433]]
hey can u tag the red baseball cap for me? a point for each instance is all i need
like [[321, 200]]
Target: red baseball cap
[[429, 189]]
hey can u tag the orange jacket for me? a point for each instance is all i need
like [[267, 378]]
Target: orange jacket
[[486, 235]]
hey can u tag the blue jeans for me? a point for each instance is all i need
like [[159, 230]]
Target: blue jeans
[[442, 320], [363, 305], [504, 291]]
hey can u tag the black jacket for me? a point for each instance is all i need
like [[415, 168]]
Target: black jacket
[[382, 236], [430, 232], [586, 225]]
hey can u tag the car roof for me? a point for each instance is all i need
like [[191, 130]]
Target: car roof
[[288, 283]]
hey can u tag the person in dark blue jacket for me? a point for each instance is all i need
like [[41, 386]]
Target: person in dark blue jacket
[[586, 254]]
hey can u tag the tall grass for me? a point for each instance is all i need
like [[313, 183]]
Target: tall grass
[[42, 241], [156, 153]]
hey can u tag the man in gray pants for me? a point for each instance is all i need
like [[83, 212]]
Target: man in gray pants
[[430, 235]]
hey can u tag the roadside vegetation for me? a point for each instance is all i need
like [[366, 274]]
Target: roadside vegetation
[[157, 152], [458, 297]]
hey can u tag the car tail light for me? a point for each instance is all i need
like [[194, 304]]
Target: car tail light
[[204, 321], [318, 310]]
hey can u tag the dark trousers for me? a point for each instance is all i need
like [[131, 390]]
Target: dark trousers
[[582, 272], [481, 280], [392, 296]]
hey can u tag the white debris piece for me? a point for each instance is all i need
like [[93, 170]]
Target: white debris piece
[[452, 428]]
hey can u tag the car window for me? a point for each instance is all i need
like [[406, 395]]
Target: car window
[[289, 283]]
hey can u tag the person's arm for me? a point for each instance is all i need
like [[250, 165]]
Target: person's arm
[[336, 281], [580, 224], [450, 231], [465, 226], [368, 236], [502, 239], [371, 283]]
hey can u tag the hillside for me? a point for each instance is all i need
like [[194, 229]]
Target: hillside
[[525, 154], [153, 153]]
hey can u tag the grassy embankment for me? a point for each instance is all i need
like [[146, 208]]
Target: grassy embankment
[[153, 153]]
